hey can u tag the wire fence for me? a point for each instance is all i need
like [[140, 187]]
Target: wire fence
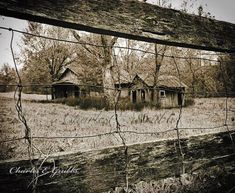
[[118, 131]]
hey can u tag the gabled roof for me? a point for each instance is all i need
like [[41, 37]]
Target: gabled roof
[[66, 80], [164, 81], [62, 82], [73, 70], [170, 81], [138, 78]]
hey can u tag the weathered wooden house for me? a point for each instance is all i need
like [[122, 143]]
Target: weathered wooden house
[[70, 84], [169, 90]]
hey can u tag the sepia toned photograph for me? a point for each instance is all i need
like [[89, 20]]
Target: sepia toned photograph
[[117, 96]]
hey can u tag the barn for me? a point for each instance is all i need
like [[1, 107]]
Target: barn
[[170, 91]]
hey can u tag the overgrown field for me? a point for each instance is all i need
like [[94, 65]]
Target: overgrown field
[[57, 120]]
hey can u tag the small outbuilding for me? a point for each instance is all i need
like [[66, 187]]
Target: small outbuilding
[[71, 85]]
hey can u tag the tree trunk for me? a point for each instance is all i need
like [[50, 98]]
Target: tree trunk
[[107, 68], [159, 57]]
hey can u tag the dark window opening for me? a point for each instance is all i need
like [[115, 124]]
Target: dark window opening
[[162, 94]]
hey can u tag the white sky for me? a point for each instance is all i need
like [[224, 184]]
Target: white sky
[[222, 10]]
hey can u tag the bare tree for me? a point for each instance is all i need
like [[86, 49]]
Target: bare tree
[[103, 54], [44, 59]]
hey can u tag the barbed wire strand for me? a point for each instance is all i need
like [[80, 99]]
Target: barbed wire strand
[[118, 131], [91, 44], [179, 117], [113, 133], [226, 103], [18, 99], [202, 93], [21, 116], [96, 45]]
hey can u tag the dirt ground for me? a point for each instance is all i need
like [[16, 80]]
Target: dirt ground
[[57, 120]]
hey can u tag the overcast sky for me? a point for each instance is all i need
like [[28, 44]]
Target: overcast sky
[[222, 10]]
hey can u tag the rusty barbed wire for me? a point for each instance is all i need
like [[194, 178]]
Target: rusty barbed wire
[[18, 97], [100, 46], [118, 128], [49, 86], [179, 117], [226, 103], [19, 109], [29, 138], [115, 132]]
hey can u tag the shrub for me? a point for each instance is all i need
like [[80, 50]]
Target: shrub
[[71, 101], [189, 102], [138, 106], [93, 102], [68, 101], [125, 104], [99, 103]]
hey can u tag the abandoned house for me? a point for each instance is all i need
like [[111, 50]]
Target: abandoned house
[[169, 91], [71, 85]]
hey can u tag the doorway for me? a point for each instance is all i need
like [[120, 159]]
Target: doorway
[[134, 96], [76, 92], [142, 95], [180, 99]]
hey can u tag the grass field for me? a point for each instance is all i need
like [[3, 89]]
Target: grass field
[[57, 120]]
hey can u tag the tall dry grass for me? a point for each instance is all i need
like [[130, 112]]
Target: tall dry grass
[[61, 120]]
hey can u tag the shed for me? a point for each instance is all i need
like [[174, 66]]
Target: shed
[[70, 84]]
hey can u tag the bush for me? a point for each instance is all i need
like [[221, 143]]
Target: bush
[[138, 106], [71, 101], [99, 103], [93, 102], [125, 104], [189, 102]]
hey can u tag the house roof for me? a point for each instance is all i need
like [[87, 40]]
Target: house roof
[[63, 82], [164, 81], [74, 70], [122, 77]]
